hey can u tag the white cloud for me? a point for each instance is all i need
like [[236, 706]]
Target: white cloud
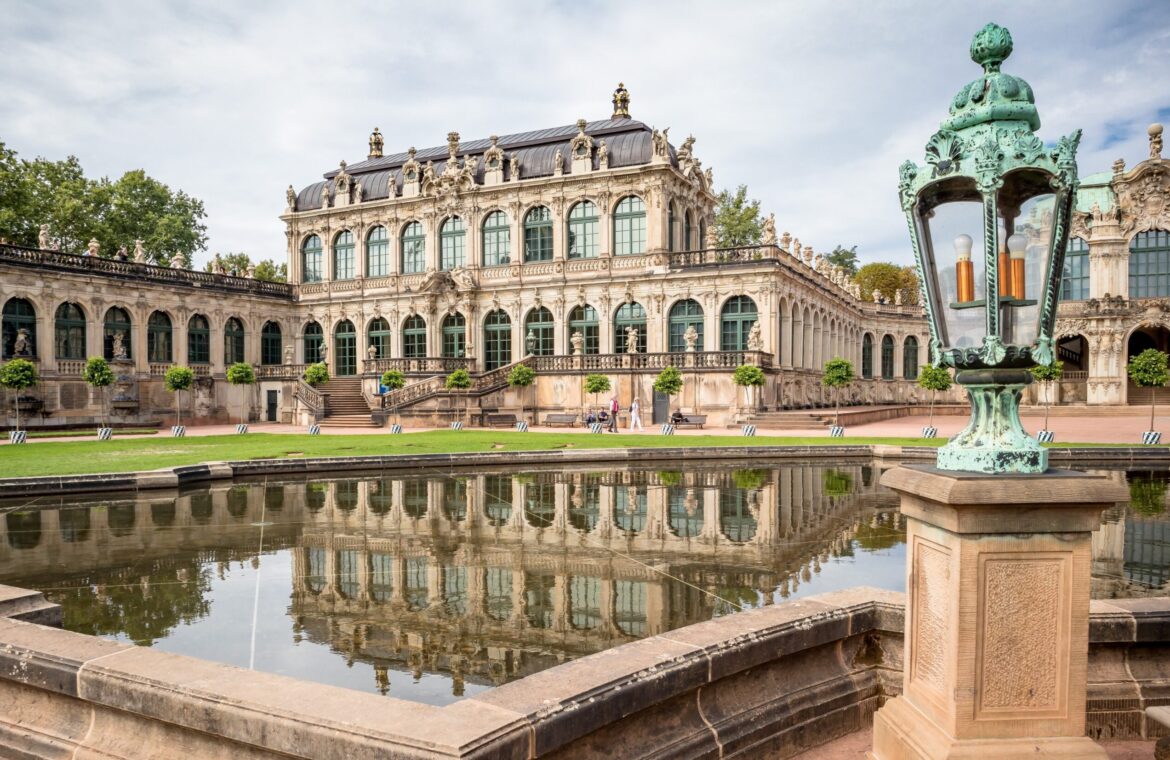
[[812, 105]]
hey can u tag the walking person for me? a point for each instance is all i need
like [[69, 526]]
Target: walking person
[[614, 408], [635, 415]]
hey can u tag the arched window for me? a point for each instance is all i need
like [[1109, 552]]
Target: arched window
[[452, 250], [271, 343], [739, 314], [158, 338], [629, 226], [343, 263], [345, 349], [414, 245], [1074, 285], [1149, 264], [688, 232], [735, 515], [583, 231], [630, 315], [454, 336], [497, 240], [198, 340], [538, 332], [583, 319], [414, 338], [887, 357], [685, 314], [233, 342], [867, 356], [118, 334], [538, 235], [670, 222], [312, 342], [497, 340], [18, 326], [378, 252], [378, 336], [311, 263], [684, 511], [70, 332], [910, 358]]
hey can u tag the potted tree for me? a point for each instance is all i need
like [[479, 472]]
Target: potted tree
[[1148, 370], [393, 380], [239, 374], [1047, 374], [523, 376], [99, 375], [749, 377], [18, 375], [669, 383], [595, 384], [178, 379], [459, 380], [933, 379], [838, 374]]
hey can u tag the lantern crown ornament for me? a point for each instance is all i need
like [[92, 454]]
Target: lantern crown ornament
[[989, 212]]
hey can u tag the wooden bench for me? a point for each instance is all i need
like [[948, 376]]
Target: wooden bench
[[693, 420], [560, 419], [500, 420]]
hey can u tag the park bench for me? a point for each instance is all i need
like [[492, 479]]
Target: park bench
[[560, 419], [501, 420], [693, 420]]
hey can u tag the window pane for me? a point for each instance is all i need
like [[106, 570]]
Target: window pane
[[413, 248], [451, 244], [496, 240], [629, 227], [378, 253]]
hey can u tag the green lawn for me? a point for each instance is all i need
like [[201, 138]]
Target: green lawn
[[129, 454]]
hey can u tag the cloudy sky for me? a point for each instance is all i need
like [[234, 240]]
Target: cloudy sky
[[812, 105]]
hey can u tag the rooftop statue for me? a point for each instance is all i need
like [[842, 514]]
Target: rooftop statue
[[770, 230], [93, 249], [43, 240], [139, 252], [290, 197], [177, 261], [376, 143]]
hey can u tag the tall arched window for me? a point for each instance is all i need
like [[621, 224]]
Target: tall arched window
[[271, 343], [18, 315], [454, 336], [684, 511], [688, 232], [583, 319], [452, 245], [233, 342], [1074, 285], [910, 358], [629, 315], [343, 263], [739, 314], [685, 314], [670, 222], [538, 332], [887, 357], [1149, 264], [497, 240], [378, 336], [867, 356], [629, 226], [312, 342], [345, 349], [538, 235], [414, 337], [158, 338], [70, 332], [378, 252], [497, 340], [311, 263], [118, 334], [583, 231], [198, 340], [414, 245]]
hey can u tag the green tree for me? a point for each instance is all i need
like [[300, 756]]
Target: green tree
[[269, 271], [1047, 373], [838, 374], [595, 384], [1148, 370], [393, 380], [178, 379], [843, 257], [837, 483], [1147, 494], [99, 375], [459, 380], [316, 374], [17, 375], [238, 263], [239, 374], [669, 382], [523, 376], [748, 376], [737, 219], [934, 379], [887, 278]]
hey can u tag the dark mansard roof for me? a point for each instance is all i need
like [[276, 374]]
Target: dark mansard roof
[[627, 140]]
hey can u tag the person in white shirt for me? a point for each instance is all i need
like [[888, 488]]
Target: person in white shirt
[[635, 415]]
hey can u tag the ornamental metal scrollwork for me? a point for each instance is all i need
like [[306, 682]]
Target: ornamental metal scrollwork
[[943, 152]]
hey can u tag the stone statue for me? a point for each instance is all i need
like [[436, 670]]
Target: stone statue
[[603, 154], [785, 240], [558, 161], [529, 343], [463, 278], [120, 345], [288, 354], [770, 230], [372, 352], [710, 179], [250, 271], [22, 346], [428, 175], [796, 247], [514, 167], [323, 353], [578, 341], [290, 196], [358, 192], [712, 241], [660, 143], [177, 261], [877, 296], [691, 338], [1155, 133], [325, 196], [631, 340], [139, 252], [898, 297], [43, 241], [755, 341], [685, 151]]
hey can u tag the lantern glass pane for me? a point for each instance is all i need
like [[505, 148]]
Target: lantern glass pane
[[960, 289], [1026, 270]]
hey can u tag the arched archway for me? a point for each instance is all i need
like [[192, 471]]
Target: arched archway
[[1142, 338]]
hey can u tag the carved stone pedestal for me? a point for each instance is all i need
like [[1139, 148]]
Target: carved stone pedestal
[[997, 618]]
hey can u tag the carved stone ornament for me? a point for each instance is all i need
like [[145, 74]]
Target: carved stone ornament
[[769, 226], [290, 197], [582, 144], [410, 169], [660, 143], [493, 157], [376, 143], [1143, 195]]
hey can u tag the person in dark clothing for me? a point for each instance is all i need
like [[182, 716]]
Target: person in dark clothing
[[677, 417]]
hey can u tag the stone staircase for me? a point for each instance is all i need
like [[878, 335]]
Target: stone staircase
[[347, 406]]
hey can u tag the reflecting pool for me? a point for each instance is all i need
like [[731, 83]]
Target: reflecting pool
[[434, 586]]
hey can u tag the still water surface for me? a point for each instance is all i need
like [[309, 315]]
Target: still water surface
[[437, 586]]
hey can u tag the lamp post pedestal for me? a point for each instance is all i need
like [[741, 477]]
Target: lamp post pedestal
[[997, 617], [994, 439]]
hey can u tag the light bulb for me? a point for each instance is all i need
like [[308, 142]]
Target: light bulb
[[1017, 245], [963, 247]]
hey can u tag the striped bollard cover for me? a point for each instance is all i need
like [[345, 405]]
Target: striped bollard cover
[[521, 427], [749, 430], [105, 434], [594, 427], [1045, 436], [314, 430], [395, 429], [241, 429], [178, 431], [929, 431], [836, 431], [668, 429], [17, 436], [1151, 438], [456, 425]]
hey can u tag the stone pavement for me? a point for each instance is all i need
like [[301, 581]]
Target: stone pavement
[[854, 746]]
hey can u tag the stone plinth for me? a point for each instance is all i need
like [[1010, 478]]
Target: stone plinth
[[997, 618]]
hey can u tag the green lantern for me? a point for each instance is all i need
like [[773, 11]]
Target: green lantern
[[989, 214]]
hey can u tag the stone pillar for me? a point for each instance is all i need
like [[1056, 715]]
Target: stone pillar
[[997, 617]]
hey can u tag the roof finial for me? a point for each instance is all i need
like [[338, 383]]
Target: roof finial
[[375, 144], [1155, 133], [621, 102], [991, 46], [452, 145]]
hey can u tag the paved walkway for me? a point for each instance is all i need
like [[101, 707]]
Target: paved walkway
[[854, 746]]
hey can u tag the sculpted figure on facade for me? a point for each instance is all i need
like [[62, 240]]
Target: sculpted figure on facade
[[22, 346], [462, 278], [755, 341], [660, 143], [358, 192], [493, 157], [631, 340], [769, 227], [178, 261], [325, 196], [558, 162], [603, 155], [577, 341], [43, 240], [139, 252], [514, 167], [685, 151], [342, 181], [1155, 132], [323, 352], [898, 297], [691, 338], [120, 345], [372, 352], [250, 271], [530, 343], [290, 198], [376, 144]]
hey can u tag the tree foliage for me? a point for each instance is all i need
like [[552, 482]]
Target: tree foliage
[[521, 376], [1148, 369], [843, 257], [241, 373], [238, 263], [316, 374], [596, 384], [458, 380], [97, 372], [887, 278], [1147, 494], [838, 373], [18, 374], [737, 219], [393, 379], [669, 381], [932, 378], [748, 376], [1046, 373], [179, 379]]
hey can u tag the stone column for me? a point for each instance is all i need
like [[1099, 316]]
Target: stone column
[[997, 617]]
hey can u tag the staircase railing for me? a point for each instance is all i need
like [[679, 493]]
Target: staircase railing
[[313, 400]]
